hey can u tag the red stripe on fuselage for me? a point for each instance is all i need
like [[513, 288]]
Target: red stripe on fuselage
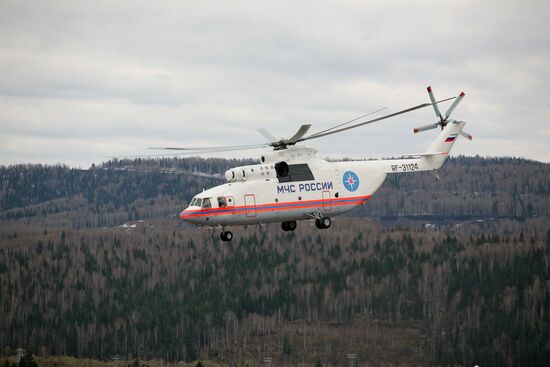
[[356, 200]]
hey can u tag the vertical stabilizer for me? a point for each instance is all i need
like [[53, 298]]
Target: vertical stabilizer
[[439, 150], [446, 138]]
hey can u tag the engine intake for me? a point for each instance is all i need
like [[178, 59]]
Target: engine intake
[[282, 169]]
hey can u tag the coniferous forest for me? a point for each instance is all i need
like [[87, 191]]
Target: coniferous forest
[[454, 271]]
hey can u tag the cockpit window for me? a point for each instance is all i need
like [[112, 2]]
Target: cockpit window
[[222, 202], [206, 203], [193, 202], [198, 202]]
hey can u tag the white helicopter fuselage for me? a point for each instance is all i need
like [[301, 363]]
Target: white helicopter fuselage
[[313, 188]]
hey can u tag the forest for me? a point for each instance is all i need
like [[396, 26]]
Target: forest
[[95, 263]]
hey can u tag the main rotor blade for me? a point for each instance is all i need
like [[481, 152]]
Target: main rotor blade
[[436, 109], [453, 106], [218, 148], [192, 151], [301, 132], [269, 137], [315, 136], [350, 121]]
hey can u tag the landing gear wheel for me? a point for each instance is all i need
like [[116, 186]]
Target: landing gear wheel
[[323, 223], [289, 226], [226, 236]]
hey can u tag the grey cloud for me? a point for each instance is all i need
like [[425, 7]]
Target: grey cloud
[[106, 78]]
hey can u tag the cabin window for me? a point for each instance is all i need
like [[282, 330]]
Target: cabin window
[[206, 204], [297, 172], [222, 202]]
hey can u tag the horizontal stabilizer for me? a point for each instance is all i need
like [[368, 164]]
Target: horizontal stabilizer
[[424, 154]]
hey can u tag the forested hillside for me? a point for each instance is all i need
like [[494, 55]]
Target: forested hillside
[[468, 187], [454, 271], [475, 293]]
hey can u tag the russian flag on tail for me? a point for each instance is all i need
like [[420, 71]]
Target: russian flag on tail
[[451, 138]]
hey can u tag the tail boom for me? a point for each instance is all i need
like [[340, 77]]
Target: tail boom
[[435, 155]]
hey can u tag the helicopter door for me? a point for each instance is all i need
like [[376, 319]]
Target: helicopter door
[[338, 186], [327, 204], [250, 204]]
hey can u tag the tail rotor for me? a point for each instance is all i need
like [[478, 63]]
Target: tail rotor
[[443, 119], [436, 108]]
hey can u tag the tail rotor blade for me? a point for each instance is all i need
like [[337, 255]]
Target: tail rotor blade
[[466, 135], [426, 127], [436, 109], [453, 106]]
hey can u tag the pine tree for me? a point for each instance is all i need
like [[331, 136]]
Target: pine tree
[[27, 360], [287, 347]]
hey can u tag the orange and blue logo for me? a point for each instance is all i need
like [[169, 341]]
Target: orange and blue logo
[[350, 180]]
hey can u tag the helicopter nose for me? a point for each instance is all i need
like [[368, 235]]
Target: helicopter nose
[[184, 214], [189, 215]]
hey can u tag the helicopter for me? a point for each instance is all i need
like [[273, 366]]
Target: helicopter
[[292, 184]]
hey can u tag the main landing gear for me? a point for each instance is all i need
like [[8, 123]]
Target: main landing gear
[[288, 226], [323, 223], [226, 236]]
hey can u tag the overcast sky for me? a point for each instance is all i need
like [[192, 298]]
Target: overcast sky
[[80, 81]]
